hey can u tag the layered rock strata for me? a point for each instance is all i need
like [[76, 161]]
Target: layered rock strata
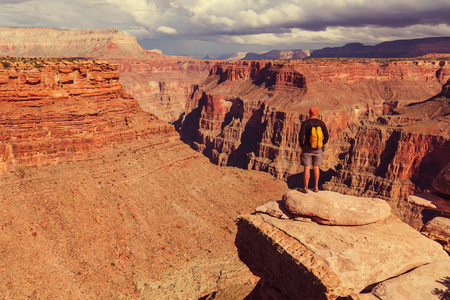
[[163, 85], [101, 200], [301, 259], [248, 114], [65, 110]]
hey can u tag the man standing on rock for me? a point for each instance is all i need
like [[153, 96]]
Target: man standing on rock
[[313, 136]]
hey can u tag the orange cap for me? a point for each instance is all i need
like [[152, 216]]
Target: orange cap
[[313, 111]]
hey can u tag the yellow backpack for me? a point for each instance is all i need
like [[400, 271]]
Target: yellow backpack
[[316, 139]]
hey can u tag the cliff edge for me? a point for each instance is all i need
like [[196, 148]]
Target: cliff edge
[[299, 258]]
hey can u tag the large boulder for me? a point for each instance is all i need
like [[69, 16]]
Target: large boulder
[[332, 208], [442, 181], [306, 260]]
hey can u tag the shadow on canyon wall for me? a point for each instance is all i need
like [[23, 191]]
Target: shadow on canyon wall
[[188, 125]]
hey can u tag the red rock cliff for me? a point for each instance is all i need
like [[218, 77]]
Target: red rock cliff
[[249, 114], [57, 110], [163, 85]]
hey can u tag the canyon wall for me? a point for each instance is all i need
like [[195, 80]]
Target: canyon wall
[[55, 110], [382, 141], [101, 200], [163, 85]]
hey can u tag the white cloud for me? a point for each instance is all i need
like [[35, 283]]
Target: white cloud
[[265, 22], [166, 30]]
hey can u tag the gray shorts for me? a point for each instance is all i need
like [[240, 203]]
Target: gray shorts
[[311, 156]]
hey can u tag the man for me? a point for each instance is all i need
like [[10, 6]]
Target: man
[[313, 136]]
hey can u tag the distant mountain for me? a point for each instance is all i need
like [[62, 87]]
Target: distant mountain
[[48, 42], [279, 54], [392, 49], [231, 56]]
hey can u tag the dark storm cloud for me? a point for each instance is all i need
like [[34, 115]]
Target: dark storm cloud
[[258, 22]]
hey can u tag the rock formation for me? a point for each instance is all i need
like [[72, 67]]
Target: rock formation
[[48, 42], [279, 54], [163, 85], [248, 114], [56, 110], [426, 282], [68, 122], [330, 208], [301, 259], [102, 200], [442, 181]]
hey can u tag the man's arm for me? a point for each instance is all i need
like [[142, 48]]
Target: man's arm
[[301, 139], [325, 133]]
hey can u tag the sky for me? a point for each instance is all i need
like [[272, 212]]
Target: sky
[[180, 27]]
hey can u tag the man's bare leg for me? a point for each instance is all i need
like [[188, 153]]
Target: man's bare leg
[[306, 174], [316, 177]]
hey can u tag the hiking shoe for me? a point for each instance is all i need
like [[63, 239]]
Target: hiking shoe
[[303, 190]]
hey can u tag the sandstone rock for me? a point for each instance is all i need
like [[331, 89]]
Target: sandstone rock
[[430, 281], [431, 201], [275, 209], [51, 116], [442, 180], [335, 209], [145, 218], [163, 85], [438, 229], [312, 261]]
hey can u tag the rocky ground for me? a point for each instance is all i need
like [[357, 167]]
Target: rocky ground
[[151, 220]]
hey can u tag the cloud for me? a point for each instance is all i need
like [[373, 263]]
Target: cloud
[[263, 22], [340, 35], [12, 1], [166, 30]]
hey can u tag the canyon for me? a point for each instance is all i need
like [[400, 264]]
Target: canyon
[[388, 121], [103, 200], [106, 176]]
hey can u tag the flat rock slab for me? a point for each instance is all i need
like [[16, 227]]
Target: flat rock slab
[[363, 255], [430, 201], [332, 208], [427, 282]]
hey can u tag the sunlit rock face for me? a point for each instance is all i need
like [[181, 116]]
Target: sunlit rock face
[[249, 113], [56, 110], [163, 84], [101, 199]]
